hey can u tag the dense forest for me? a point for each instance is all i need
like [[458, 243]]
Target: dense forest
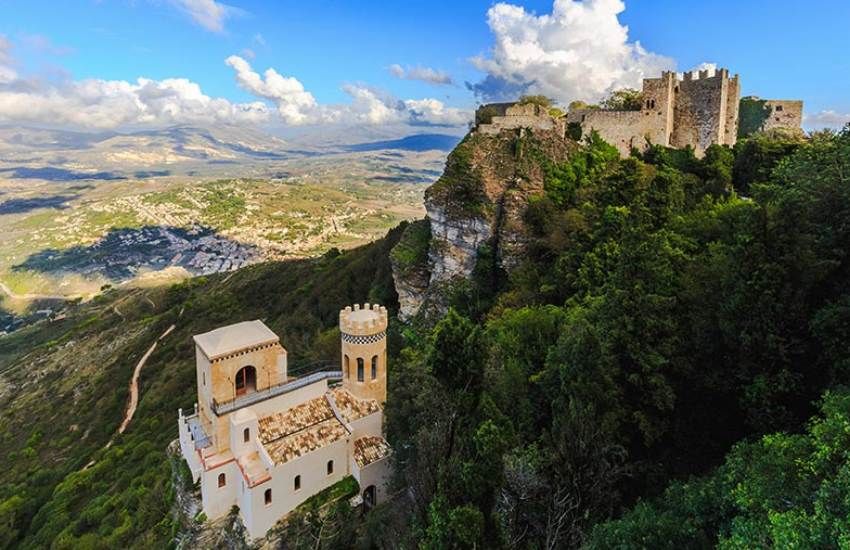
[[666, 369], [671, 355]]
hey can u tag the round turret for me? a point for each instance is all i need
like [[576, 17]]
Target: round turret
[[364, 350]]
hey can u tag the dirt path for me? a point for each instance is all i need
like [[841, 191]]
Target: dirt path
[[134, 383]]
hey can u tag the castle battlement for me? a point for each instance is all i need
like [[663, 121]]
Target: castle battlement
[[368, 320]]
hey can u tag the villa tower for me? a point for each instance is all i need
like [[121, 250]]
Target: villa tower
[[364, 351]]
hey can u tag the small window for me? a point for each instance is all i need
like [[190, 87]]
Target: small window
[[347, 374], [222, 481], [360, 369], [246, 435], [779, 108], [268, 496], [204, 378], [330, 467], [374, 367], [297, 483]]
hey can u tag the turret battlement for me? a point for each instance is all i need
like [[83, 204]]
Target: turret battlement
[[365, 321]]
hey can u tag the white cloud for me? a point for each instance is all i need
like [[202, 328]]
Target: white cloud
[[425, 74], [209, 14], [7, 71], [106, 104], [826, 119], [297, 106], [579, 51]]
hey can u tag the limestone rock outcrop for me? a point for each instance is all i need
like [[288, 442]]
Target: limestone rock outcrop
[[477, 205]]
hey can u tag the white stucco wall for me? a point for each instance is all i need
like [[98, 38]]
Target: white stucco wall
[[217, 500], [312, 468]]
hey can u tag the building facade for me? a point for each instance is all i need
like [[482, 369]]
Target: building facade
[[265, 441], [698, 110]]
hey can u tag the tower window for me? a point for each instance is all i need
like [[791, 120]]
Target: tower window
[[374, 367], [222, 481], [297, 483], [360, 369], [268, 496], [779, 108], [330, 467], [246, 435], [246, 380], [345, 361]]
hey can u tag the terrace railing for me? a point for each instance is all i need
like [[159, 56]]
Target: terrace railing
[[224, 407]]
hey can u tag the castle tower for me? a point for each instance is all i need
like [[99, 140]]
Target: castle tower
[[232, 363], [658, 107], [364, 351]]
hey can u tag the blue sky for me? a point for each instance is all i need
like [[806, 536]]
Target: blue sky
[[335, 59]]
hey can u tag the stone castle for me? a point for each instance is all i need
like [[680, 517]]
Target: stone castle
[[695, 111], [265, 441]]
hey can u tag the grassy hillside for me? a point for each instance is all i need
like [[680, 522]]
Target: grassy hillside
[[64, 387]]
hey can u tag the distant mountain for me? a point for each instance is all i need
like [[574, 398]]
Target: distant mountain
[[62, 155]]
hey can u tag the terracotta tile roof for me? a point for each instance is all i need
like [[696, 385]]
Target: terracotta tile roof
[[309, 439], [297, 431], [370, 449], [292, 420], [351, 408]]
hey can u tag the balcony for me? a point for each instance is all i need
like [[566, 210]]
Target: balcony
[[224, 407]]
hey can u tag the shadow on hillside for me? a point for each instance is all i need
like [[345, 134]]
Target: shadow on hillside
[[123, 253], [50, 173], [19, 206], [416, 143]]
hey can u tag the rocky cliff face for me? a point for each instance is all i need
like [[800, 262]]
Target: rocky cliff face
[[479, 201]]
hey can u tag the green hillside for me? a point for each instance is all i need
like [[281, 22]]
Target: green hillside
[[664, 368], [65, 386]]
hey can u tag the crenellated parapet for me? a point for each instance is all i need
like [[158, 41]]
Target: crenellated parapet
[[371, 319]]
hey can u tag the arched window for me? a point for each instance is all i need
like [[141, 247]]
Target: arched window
[[268, 496], [330, 467], [374, 367], [246, 380], [222, 481], [360, 369], [246, 435], [345, 360], [297, 483]]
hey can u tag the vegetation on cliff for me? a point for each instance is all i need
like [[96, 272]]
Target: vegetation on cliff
[[659, 322]]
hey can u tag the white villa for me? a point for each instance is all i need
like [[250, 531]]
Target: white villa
[[264, 441]]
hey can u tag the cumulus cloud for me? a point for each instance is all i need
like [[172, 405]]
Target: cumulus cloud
[[579, 51], [294, 103], [297, 106], [209, 14], [425, 74], [826, 119], [106, 104]]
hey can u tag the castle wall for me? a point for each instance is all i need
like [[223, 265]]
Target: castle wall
[[733, 103], [622, 129], [784, 114], [700, 111]]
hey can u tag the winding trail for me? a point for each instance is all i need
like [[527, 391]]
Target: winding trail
[[133, 402]]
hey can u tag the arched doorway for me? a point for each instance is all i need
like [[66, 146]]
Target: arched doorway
[[369, 498], [246, 380]]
